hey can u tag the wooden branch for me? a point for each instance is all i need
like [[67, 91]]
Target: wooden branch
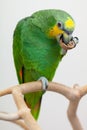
[[24, 118]]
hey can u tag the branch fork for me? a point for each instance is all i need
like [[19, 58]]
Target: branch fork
[[24, 118]]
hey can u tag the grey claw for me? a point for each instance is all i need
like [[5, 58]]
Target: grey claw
[[44, 83], [76, 40]]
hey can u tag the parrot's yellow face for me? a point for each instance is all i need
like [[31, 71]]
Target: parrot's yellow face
[[63, 31], [61, 28]]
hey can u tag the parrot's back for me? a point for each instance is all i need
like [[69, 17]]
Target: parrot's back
[[35, 55]]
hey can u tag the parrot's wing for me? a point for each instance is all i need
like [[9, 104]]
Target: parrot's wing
[[24, 74], [33, 100]]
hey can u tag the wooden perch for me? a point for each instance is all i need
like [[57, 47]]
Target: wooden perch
[[24, 118]]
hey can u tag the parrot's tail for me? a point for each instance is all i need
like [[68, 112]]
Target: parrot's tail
[[33, 101]]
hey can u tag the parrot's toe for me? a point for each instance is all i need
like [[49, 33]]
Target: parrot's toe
[[44, 83], [75, 39]]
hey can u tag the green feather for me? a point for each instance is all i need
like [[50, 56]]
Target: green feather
[[35, 54]]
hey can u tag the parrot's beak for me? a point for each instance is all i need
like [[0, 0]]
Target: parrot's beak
[[67, 41], [66, 38]]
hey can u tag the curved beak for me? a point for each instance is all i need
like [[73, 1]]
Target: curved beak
[[66, 38]]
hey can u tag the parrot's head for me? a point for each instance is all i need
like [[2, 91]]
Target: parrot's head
[[62, 30], [56, 24]]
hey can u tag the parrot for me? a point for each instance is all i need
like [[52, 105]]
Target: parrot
[[39, 43]]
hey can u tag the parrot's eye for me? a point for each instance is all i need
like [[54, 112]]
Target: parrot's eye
[[60, 25]]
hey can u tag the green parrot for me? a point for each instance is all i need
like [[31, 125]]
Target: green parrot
[[39, 43]]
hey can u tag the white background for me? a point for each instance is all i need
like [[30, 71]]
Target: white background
[[72, 69]]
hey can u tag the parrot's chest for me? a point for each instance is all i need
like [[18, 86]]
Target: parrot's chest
[[43, 58]]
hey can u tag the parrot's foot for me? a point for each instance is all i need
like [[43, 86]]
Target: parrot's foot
[[72, 43], [44, 83]]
